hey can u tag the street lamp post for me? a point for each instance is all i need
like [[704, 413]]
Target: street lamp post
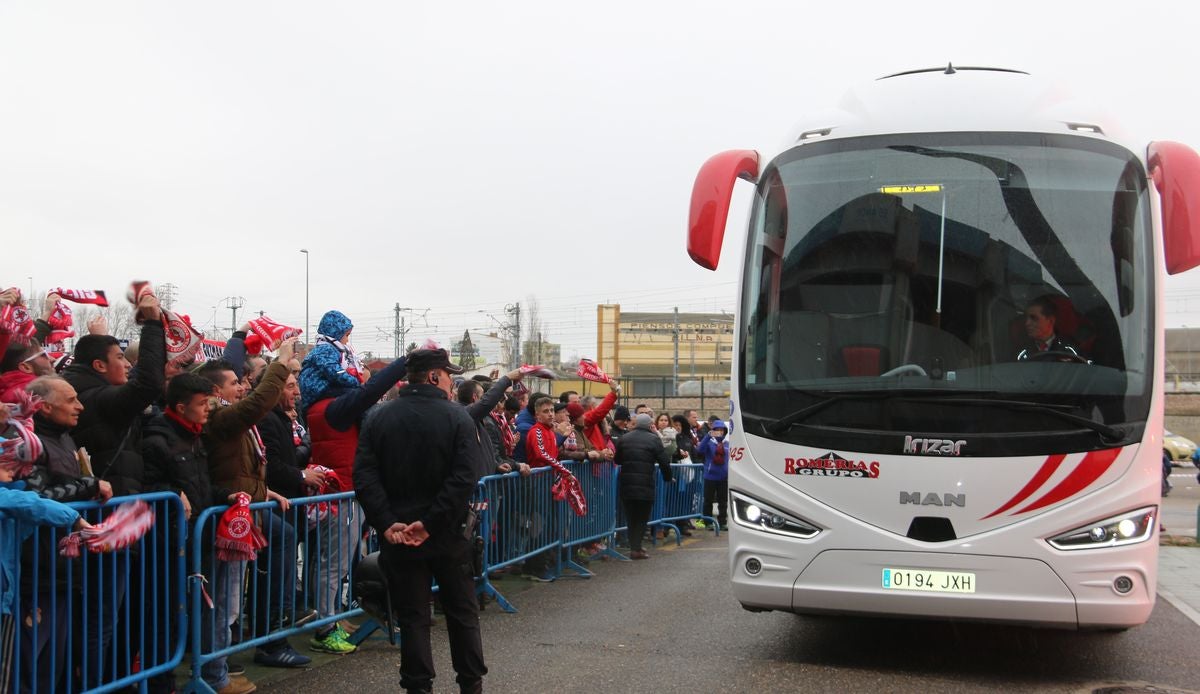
[[307, 327]]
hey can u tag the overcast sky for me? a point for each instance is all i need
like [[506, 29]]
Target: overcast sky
[[464, 156]]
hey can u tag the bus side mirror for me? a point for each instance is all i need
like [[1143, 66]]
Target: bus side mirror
[[710, 202], [1175, 169]]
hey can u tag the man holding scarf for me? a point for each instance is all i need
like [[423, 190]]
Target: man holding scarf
[[237, 462]]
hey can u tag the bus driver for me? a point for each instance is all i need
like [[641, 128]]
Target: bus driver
[[1040, 318]]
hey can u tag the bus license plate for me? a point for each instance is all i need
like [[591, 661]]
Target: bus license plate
[[929, 580]]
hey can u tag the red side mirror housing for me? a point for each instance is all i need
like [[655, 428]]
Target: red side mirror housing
[[710, 202], [1175, 169]]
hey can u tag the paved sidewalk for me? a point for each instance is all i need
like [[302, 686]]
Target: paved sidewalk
[[1179, 579]]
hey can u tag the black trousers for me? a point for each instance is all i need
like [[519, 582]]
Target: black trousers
[[637, 514], [716, 490], [410, 583]]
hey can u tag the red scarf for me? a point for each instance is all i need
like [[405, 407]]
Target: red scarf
[[238, 538], [567, 488], [319, 511], [507, 435], [719, 454], [190, 427]]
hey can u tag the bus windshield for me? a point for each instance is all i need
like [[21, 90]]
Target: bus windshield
[[990, 287]]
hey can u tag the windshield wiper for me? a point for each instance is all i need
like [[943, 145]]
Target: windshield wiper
[[780, 425], [1112, 434]]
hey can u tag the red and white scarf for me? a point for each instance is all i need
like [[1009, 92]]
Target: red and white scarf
[[82, 296], [272, 333], [590, 371], [124, 527], [323, 509], [538, 371], [507, 435], [15, 320], [19, 446], [567, 488], [238, 538]]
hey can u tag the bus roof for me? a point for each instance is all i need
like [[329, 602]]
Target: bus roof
[[954, 99]]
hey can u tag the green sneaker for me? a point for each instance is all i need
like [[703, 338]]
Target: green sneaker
[[699, 524], [332, 643], [342, 634]]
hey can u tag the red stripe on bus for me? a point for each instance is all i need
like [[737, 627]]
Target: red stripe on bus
[[1094, 464], [1039, 478]]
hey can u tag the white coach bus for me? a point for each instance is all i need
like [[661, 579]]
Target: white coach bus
[[947, 394]]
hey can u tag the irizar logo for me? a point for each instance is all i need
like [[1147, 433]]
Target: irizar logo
[[933, 446], [931, 499]]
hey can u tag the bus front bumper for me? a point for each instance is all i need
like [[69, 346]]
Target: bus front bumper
[[1004, 588]]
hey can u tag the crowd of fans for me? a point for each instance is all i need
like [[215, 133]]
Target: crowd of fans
[[103, 422]]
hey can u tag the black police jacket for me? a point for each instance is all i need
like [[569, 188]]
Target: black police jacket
[[638, 451], [418, 459]]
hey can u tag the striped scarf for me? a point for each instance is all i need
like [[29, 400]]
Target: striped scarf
[[348, 361]]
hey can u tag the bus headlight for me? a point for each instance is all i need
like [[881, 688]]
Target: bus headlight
[[752, 513], [1125, 529]]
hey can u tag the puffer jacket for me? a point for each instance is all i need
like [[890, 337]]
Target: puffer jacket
[[638, 451], [110, 425], [321, 370], [176, 461], [233, 461]]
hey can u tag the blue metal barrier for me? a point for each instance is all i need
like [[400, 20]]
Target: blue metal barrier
[[681, 499], [103, 621], [517, 522], [259, 595]]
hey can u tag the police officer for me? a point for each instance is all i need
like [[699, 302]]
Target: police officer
[[414, 474]]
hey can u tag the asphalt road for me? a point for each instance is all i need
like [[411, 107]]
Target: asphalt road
[[670, 624]]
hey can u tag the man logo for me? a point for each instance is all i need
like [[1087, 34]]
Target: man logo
[[917, 499]]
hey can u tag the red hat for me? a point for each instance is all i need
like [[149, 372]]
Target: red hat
[[574, 410]]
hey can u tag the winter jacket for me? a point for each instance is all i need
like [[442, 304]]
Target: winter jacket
[[284, 473], [59, 454], [593, 417], [333, 422], [525, 422], [684, 447], [20, 513], [322, 368], [176, 461], [480, 412], [110, 425], [638, 451], [233, 458], [714, 471], [418, 459], [541, 446]]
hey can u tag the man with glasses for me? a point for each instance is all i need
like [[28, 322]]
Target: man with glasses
[[21, 364]]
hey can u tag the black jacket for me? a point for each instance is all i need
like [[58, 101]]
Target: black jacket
[[284, 470], [57, 474], [419, 458], [489, 432], [175, 460], [685, 446], [110, 427], [638, 451], [1029, 349]]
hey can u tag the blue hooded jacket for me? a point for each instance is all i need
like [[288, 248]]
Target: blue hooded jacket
[[322, 369], [20, 513]]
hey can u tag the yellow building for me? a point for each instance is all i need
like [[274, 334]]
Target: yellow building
[[694, 345]]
